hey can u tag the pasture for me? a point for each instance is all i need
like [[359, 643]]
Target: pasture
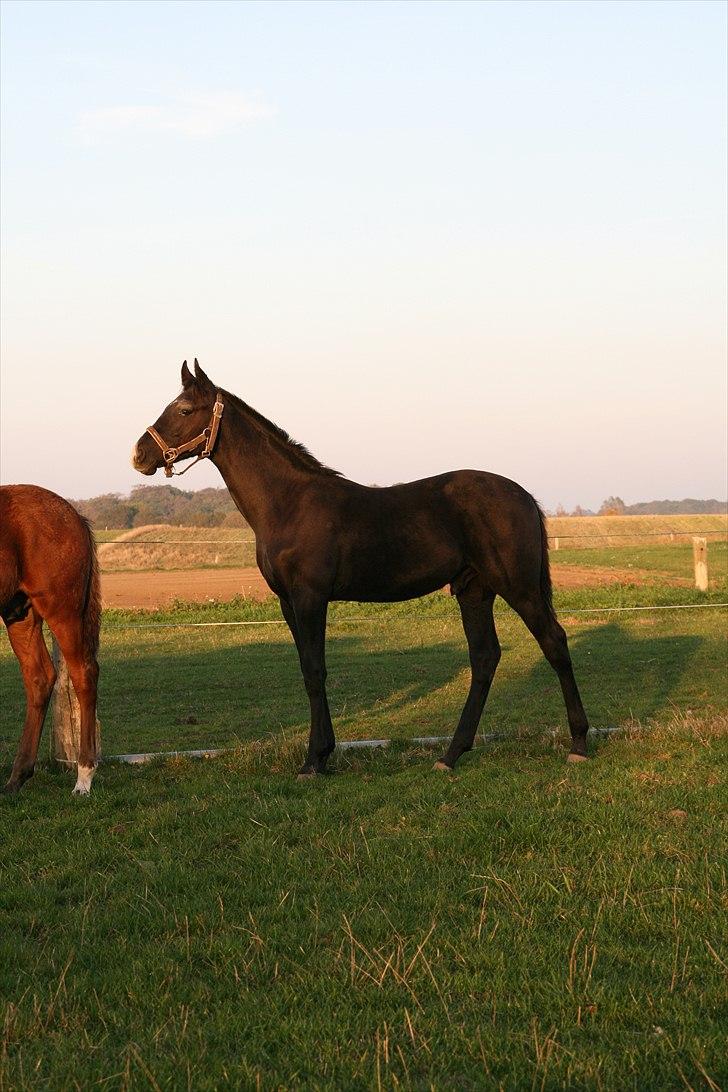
[[521, 924]]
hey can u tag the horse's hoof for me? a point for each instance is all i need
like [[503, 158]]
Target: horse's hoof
[[306, 775], [11, 788], [576, 758], [443, 766]]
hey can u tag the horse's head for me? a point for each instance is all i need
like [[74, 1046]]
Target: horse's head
[[186, 428]]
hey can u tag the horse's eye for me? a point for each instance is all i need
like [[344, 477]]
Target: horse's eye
[[185, 412]]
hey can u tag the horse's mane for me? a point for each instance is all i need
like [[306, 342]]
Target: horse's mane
[[297, 451]]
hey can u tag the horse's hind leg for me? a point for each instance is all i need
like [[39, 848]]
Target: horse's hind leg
[[26, 639], [84, 673], [476, 609], [541, 621]]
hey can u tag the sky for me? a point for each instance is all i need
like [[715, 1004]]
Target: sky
[[418, 236]]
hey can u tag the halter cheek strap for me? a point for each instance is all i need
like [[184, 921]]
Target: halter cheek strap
[[209, 435]]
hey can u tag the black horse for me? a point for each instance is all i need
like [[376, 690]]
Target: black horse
[[320, 537]]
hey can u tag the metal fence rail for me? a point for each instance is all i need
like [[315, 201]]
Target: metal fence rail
[[560, 535]]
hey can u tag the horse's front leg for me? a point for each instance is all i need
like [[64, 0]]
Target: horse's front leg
[[306, 618]]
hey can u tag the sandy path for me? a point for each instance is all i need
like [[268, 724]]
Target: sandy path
[[159, 589]]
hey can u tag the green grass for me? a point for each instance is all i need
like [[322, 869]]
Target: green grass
[[524, 924], [675, 558]]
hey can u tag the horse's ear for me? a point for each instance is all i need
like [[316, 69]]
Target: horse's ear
[[187, 376], [201, 378]]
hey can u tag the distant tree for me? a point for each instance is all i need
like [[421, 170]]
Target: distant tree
[[560, 510], [687, 507], [155, 504], [613, 506], [579, 511], [108, 510]]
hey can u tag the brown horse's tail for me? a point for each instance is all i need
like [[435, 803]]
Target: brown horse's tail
[[91, 618], [547, 592]]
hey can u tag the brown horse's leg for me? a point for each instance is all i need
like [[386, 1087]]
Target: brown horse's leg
[[307, 622], [476, 609], [26, 638], [84, 672], [543, 625]]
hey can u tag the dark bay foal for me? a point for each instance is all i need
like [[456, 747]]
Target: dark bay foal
[[320, 537]]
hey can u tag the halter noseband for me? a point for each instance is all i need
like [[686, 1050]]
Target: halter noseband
[[209, 435]]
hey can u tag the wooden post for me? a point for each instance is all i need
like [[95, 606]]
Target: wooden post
[[700, 558], [66, 718], [556, 543], [65, 735]]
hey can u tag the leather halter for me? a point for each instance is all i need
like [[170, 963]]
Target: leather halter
[[209, 435]]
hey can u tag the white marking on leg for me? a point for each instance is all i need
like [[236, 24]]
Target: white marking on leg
[[83, 783]]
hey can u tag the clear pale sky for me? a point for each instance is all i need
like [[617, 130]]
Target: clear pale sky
[[419, 236]]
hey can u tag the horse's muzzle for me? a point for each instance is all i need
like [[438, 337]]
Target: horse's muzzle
[[143, 461]]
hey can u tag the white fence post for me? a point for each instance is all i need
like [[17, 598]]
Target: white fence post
[[700, 559]]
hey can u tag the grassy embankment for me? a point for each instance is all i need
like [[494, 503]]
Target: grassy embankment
[[164, 547]]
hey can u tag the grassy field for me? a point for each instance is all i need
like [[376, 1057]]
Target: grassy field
[[524, 924]]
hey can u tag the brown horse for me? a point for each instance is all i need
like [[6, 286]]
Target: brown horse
[[49, 572], [320, 538]]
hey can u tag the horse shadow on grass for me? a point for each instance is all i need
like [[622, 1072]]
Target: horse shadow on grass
[[196, 698], [622, 678]]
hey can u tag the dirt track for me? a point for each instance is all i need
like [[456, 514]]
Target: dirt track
[[159, 589]]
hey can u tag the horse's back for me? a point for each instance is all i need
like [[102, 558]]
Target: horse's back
[[463, 501], [43, 542], [28, 507]]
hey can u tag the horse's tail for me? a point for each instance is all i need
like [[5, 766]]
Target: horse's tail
[[91, 617], [547, 592]]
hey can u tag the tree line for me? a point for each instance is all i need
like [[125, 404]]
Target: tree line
[[615, 506], [161, 504], [215, 508]]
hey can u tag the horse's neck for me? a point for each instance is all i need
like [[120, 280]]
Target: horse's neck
[[257, 470]]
